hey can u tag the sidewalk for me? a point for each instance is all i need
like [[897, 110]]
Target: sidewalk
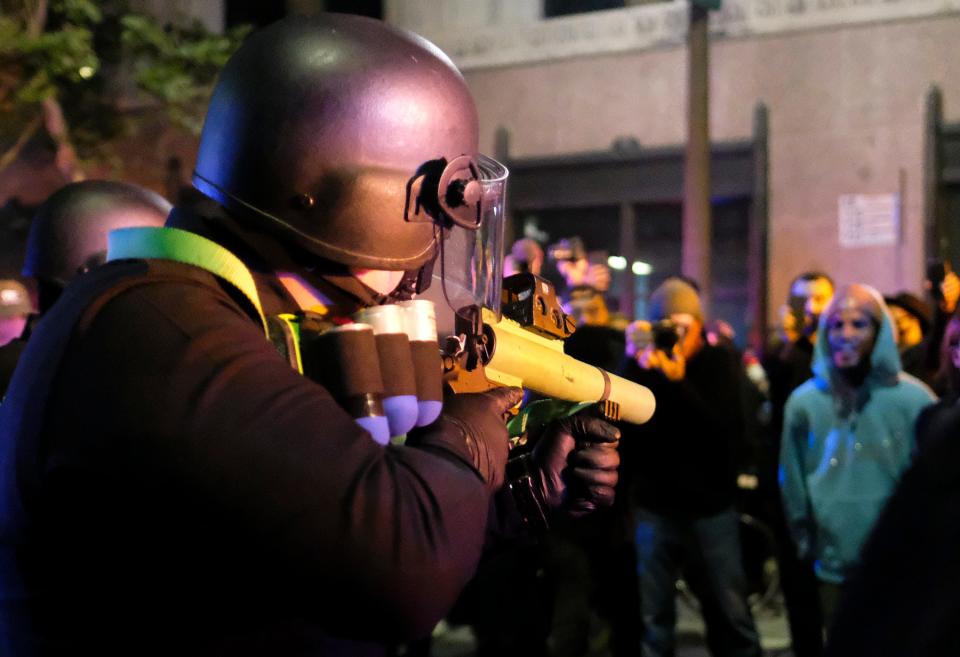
[[771, 624]]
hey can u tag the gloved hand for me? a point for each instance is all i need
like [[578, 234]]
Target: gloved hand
[[472, 427], [574, 464]]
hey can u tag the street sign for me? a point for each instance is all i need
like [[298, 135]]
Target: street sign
[[869, 220]]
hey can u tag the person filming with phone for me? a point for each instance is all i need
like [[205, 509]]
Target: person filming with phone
[[683, 475]]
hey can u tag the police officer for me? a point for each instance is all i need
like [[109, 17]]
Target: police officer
[[68, 233], [68, 236], [170, 484]]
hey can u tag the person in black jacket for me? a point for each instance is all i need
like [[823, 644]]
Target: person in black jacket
[[171, 484], [913, 318], [787, 368], [682, 466]]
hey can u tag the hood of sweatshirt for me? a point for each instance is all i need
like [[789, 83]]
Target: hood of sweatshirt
[[885, 364]]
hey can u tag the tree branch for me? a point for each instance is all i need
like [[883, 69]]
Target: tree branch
[[37, 19], [11, 154], [56, 126]]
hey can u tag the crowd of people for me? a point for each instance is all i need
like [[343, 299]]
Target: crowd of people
[[172, 483], [826, 419]]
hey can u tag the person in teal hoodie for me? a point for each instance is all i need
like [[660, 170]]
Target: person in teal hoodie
[[848, 436]]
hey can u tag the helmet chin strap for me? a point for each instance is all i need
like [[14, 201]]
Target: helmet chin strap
[[414, 282]]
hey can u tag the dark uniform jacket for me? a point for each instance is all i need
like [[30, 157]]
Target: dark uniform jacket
[[169, 485]]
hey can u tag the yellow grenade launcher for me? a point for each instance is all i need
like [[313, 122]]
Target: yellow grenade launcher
[[524, 348]]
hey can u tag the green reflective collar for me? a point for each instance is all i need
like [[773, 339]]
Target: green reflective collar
[[187, 248]]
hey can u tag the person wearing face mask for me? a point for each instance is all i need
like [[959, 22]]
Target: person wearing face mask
[[848, 436], [682, 466]]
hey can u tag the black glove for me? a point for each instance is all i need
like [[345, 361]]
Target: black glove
[[472, 428], [574, 464]]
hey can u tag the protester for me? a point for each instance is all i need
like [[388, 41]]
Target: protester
[[943, 285], [847, 436], [902, 598], [787, 329], [595, 341], [682, 465], [525, 257], [569, 257], [591, 563], [810, 292], [948, 376], [912, 319], [787, 367]]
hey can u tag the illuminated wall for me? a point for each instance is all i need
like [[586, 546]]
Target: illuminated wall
[[846, 106]]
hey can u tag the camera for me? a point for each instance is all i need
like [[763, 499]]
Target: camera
[[666, 335], [663, 335], [567, 250]]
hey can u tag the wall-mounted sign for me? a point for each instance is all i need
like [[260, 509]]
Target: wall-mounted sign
[[869, 220]]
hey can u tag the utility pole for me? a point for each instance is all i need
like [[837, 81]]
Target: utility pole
[[697, 225]]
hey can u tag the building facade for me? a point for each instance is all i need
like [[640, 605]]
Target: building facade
[[845, 84]]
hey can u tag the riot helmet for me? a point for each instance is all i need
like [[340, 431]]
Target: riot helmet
[[352, 140], [68, 234]]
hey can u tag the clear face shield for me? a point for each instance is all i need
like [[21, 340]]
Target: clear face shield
[[470, 271]]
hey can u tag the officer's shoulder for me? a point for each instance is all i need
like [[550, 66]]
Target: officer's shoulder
[[171, 288], [149, 275]]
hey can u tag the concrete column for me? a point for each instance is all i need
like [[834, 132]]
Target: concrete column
[[936, 240], [697, 229], [757, 262], [628, 248]]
